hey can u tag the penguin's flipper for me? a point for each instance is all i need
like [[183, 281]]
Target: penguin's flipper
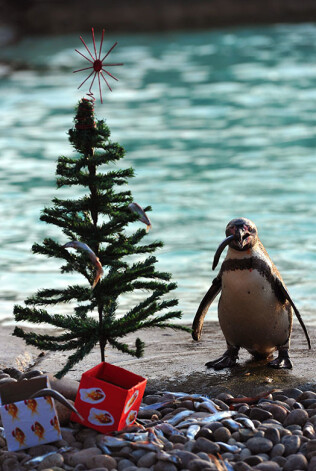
[[204, 306], [281, 288]]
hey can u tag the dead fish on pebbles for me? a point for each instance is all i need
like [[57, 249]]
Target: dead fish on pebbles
[[207, 420], [38, 459], [163, 456], [231, 424], [208, 405], [180, 416], [229, 448], [247, 423], [192, 431]]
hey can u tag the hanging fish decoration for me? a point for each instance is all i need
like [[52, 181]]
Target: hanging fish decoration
[[137, 209], [75, 244]]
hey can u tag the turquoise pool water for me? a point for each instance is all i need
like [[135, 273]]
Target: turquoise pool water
[[217, 124]]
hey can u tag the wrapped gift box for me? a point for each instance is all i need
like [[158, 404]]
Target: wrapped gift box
[[109, 397], [28, 422]]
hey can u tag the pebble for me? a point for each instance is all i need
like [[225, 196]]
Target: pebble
[[295, 462], [51, 461], [203, 444], [81, 457], [259, 445], [296, 417], [291, 444]]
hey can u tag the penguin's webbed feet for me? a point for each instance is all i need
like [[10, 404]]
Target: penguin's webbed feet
[[227, 360], [282, 360]]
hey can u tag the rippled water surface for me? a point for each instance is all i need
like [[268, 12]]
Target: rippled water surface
[[216, 124]]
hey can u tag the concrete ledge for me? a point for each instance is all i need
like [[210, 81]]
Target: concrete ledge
[[173, 361]]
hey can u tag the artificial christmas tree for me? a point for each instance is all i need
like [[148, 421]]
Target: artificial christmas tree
[[96, 223]]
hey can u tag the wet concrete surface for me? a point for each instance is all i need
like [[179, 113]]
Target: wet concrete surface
[[173, 361]]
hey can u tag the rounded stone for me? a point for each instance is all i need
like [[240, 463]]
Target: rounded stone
[[222, 434], [198, 464], [101, 461], [202, 444], [268, 466], [185, 457], [297, 417], [281, 460], [272, 434], [147, 460], [66, 386], [51, 461], [291, 444], [278, 412], [295, 462], [125, 463], [164, 466], [81, 457], [259, 445], [312, 464], [63, 413], [259, 414], [293, 392], [253, 460], [277, 450], [241, 466]]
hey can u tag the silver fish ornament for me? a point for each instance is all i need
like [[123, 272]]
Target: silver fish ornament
[[59, 397], [163, 456], [75, 244], [137, 209]]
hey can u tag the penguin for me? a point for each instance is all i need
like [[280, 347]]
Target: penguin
[[255, 310]]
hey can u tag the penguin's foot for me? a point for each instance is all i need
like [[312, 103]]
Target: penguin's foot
[[282, 361], [227, 360]]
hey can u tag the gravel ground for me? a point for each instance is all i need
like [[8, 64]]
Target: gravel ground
[[180, 431]]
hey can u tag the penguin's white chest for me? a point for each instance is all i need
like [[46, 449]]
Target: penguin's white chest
[[250, 315]]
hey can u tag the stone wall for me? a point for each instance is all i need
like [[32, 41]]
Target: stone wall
[[67, 16]]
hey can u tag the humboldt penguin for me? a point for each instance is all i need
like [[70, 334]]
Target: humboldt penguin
[[255, 310]]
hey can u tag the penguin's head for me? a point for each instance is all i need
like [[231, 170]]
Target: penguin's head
[[241, 235]]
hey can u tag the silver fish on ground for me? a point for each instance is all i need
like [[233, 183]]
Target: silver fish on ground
[[192, 431], [156, 405], [2, 434], [59, 397], [167, 429], [136, 208], [75, 244], [180, 416], [231, 424], [247, 423], [206, 405], [218, 416], [135, 437], [111, 442], [147, 446], [163, 456], [38, 459], [231, 448]]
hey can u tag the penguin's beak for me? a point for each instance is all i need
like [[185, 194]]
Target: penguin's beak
[[220, 249]]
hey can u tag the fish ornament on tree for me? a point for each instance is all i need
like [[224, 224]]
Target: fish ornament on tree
[[99, 67]]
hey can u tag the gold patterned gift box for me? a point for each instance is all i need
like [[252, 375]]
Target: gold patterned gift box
[[28, 422]]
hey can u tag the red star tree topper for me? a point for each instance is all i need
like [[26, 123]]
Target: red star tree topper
[[98, 65]]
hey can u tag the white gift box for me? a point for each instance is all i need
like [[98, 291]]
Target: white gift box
[[28, 422]]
